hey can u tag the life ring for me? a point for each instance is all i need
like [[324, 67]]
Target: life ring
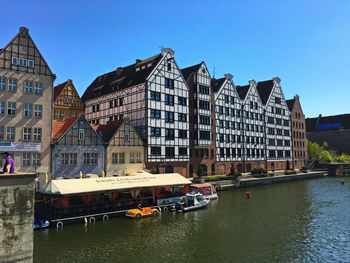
[[59, 224], [92, 220], [165, 208], [105, 217]]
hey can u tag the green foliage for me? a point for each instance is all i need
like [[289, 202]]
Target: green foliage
[[290, 172], [343, 158], [258, 170], [214, 177], [321, 154]]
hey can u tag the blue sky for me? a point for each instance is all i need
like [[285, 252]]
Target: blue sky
[[305, 43]]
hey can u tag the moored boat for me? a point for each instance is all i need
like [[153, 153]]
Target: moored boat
[[206, 189], [192, 202]]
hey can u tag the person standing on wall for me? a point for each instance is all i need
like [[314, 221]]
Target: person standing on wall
[[9, 165]]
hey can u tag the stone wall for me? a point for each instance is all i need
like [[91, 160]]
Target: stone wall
[[16, 218], [338, 140]]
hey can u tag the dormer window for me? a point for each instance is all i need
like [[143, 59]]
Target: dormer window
[[81, 134], [169, 66], [126, 137]]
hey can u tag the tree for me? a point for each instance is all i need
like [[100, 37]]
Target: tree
[[319, 153]]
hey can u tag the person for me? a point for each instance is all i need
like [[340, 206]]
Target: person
[[9, 165]]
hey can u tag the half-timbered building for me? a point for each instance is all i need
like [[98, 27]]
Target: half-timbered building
[[124, 150], [278, 125], [25, 104], [228, 121], [67, 102], [153, 94], [202, 148], [76, 148]]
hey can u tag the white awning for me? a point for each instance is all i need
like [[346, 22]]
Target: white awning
[[88, 185]]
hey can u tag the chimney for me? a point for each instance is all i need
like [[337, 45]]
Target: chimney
[[166, 50], [138, 60], [228, 76]]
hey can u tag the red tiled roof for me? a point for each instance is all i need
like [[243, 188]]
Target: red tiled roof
[[107, 131], [60, 127], [58, 89]]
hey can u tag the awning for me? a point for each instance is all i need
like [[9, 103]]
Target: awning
[[89, 185]]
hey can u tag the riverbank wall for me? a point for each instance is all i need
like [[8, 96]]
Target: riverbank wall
[[249, 182], [16, 218]]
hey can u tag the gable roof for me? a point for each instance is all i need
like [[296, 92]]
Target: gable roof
[[186, 72], [107, 131], [217, 83], [121, 78], [335, 122], [290, 104], [59, 128], [24, 30], [58, 89], [242, 91], [264, 89]]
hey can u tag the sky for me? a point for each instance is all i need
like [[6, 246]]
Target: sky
[[305, 43]]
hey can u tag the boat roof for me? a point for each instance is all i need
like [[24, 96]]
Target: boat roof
[[101, 184], [201, 185]]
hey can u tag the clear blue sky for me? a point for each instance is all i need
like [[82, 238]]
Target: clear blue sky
[[305, 43]]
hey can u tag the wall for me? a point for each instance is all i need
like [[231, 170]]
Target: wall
[[16, 218], [338, 140]]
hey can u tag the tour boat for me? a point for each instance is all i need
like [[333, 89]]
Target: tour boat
[[207, 190], [38, 224], [191, 202]]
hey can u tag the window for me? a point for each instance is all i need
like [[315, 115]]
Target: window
[[12, 85], [286, 123], [135, 157], [227, 111], [169, 117], [156, 151], [169, 83], [81, 134], [10, 133], [169, 152], [27, 134], [203, 90], [115, 103], [90, 158], [169, 65], [37, 134], [2, 83], [111, 104], [22, 62], [2, 132], [28, 110], [182, 151], [30, 63], [204, 135], [38, 88], [272, 153], [11, 108], [286, 133], [2, 108], [227, 99], [126, 137], [169, 100], [221, 110], [277, 100], [182, 117], [73, 158], [169, 134], [26, 159], [38, 111], [156, 132], [14, 61], [204, 105], [182, 101], [204, 120], [65, 158], [155, 95], [280, 153], [121, 158], [182, 134], [114, 158], [232, 100], [36, 159], [121, 101], [155, 114], [28, 86]]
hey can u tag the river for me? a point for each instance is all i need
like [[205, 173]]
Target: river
[[304, 221]]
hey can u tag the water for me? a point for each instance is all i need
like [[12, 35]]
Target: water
[[306, 221]]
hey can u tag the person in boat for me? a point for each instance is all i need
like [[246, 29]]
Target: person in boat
[[9, 165]]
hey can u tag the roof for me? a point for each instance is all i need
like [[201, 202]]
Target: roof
[[121, 78], [61, 127], [58, 89], [101, 184], [107, 131], [217, 83], [264, 89], [335, 122], [242, 91], [204, 185], [290, 104], [186, 72]]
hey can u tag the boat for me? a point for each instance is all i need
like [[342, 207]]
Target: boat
[[191, 202], [39, 224], [206, 189], [142, 212]]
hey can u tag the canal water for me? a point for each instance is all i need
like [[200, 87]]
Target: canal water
[[305, 221]]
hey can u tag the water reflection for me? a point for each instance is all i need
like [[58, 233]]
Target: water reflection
[[296, 222]]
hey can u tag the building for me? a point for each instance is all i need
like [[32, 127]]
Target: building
[[76, 148], [227, 125], [67, 102], [124, 150], [153, 94], [299, 141], [277, 125], [26, 97], [335, 130], [202, 147]]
